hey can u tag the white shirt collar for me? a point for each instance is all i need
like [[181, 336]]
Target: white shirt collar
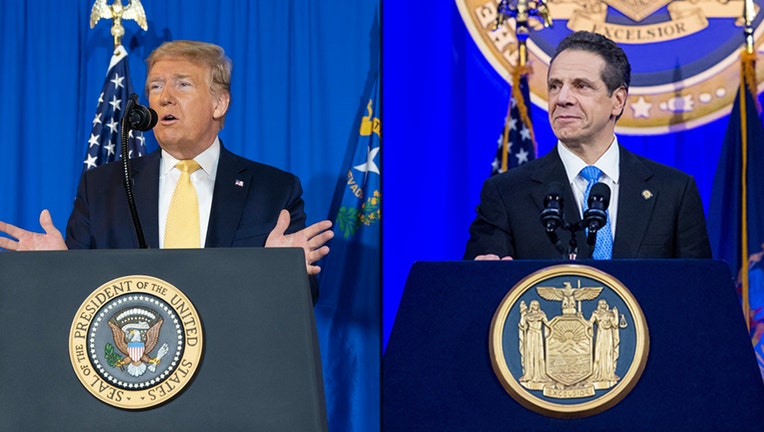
[[608, 163], [207, 159]]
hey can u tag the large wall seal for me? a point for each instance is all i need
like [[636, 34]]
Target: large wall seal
[[684, 54]]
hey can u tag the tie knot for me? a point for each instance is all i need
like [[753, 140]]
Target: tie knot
[[187, 166], [591, 173]]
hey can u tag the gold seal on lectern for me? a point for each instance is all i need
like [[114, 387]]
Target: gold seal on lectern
[[136, 342], [569, 341]]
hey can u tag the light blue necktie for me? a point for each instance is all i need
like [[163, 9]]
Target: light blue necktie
[[603, 247]]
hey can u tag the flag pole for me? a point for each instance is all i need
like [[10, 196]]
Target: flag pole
[[113, 102], [522, 12], [747, 83]]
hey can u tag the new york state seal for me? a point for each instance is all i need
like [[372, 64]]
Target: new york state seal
[[568, 341], [135, 342], [684, 53]]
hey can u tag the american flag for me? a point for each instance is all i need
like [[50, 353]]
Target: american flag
[[517, 131], [104, 142]]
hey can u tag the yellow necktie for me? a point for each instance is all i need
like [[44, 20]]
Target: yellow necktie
[[182, 228]]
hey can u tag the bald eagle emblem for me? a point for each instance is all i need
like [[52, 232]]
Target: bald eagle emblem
[[136, 333], [117, 11]]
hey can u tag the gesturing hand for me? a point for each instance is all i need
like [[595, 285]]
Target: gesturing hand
[[31, 241], [311, 239]]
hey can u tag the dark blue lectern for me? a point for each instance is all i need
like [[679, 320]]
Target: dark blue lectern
[[701, 373]]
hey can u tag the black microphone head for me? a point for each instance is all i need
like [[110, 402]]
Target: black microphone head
[[553, 197], [138, 116], [551, 216], [600, 193], [142, 118], [553, 193], [595, 217]]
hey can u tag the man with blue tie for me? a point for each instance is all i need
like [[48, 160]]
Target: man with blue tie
[[655, 211]]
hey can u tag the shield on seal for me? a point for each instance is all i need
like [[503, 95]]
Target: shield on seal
[[569, 349], [135, 351]]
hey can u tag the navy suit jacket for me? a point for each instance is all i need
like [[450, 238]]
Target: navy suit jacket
[[246, 202], [660, 213]]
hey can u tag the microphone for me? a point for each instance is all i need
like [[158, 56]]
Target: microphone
[[595, 217], [551, 216], [138, 116]]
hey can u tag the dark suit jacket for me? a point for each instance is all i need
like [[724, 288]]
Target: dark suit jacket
[[242, 214], [246, 202], [660, 214]]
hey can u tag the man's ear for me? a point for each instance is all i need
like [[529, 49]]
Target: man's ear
[[620, 95], [221, 102]]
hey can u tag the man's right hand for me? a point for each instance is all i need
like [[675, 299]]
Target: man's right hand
[[31, 241]]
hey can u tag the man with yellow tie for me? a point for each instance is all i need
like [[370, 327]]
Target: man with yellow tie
[[192, 192]]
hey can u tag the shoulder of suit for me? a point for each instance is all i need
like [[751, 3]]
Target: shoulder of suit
[[115, 168], [261, 169], [525, 170], [660, 169]]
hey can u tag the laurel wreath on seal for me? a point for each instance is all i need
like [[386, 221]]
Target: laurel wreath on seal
[[349, 219]]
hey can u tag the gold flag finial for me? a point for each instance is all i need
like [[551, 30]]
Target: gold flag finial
[[117, 11], [749, 13], [522, 11]]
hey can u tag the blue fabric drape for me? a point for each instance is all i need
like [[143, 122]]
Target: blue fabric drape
[[299, 69]]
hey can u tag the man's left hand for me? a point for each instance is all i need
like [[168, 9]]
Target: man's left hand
[[311, 239]]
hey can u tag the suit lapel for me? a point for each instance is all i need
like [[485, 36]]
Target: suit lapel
[[232, 184], [636, 201], [145, 172]]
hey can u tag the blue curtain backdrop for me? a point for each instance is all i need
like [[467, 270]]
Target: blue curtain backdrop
[[300, 68], [442, 104], [299, 72]]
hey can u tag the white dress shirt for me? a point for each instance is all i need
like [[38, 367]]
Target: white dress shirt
[[608, 163], [203, 180]]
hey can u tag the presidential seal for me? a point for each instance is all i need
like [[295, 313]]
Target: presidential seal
[[685, 54], [568, 341], [135, 342]]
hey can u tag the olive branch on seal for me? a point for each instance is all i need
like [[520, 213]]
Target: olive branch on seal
[[111, 355]]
